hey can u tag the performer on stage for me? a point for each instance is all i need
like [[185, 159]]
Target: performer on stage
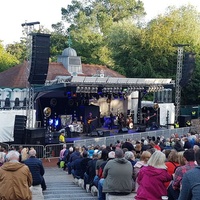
[[90, 124]]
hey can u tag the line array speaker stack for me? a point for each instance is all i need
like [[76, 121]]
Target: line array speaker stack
[[40, 58], [20, 129]]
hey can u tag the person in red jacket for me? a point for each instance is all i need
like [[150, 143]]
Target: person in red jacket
[[151, 178], [172, 164]]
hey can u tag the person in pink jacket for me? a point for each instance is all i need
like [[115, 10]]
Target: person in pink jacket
[[151, 178]]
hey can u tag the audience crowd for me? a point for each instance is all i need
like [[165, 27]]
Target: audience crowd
[[153, 168], [21, 174]]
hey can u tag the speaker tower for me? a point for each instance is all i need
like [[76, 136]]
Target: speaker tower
[[40, 58], [20, 129]]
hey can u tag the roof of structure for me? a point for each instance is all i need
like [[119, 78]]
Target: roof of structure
[[16, 77]]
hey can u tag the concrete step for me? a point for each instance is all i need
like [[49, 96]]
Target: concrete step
[[61, 186]]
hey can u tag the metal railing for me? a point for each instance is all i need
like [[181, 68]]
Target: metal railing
[[133, 136], [53, 150]]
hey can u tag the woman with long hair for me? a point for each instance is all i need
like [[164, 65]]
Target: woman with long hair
[[151, 178]]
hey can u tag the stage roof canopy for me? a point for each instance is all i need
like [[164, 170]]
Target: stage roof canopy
[[83, 84]]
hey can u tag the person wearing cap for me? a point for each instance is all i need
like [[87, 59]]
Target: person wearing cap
[[15, 178]]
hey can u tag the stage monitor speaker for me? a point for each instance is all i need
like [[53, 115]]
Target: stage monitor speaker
[[40, 58], [182, 119], [94, 133], [141, 128], [123, 130], [106, 133], [20, 129]]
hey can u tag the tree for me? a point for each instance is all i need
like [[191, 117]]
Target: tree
[[6, 59]]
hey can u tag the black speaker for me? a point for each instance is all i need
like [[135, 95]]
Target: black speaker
[[35, 136], [123, 130], [141, 128], [106, 133], [182, 119], [40, 58], [20, 129]]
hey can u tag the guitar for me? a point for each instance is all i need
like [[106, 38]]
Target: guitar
[[149, 117], [91, 120]]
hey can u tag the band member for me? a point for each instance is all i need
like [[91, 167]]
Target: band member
[[111, 124], [90, 124], [121, 121], [147, 118], [129, 122]]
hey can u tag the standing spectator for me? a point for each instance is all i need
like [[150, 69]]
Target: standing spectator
[[15, 179], [62, 136], [118, 175], [191, 182], [63, 152], [174, 187], [151, 178], [37, 170]]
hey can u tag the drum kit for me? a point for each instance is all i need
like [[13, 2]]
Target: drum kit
[[76, 128]]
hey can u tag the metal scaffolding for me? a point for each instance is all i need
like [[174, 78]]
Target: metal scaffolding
[[178, 78], [28, 29]]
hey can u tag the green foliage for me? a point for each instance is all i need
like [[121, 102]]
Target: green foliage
[[6, 59]]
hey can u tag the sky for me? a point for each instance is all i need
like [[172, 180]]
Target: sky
[[16, 12]]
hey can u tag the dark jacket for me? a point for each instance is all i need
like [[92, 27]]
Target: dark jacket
[[36, 168]]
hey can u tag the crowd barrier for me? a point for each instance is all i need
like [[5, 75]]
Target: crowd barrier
[[53, 150], [133, 136]]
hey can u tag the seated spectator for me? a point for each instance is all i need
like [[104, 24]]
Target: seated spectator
[[15, 178], [145, 146], [79, 165], [187, 144], [103, 158], [139, 164], [151, 178], [191, 182], [130, 157], [24, 154], [2, 158], [128, 144], [118, 175], [75, 155], [174, 187], [90, 171], [36, 168], [155, 145], [178, 145], [101, 195], [172, 164]]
